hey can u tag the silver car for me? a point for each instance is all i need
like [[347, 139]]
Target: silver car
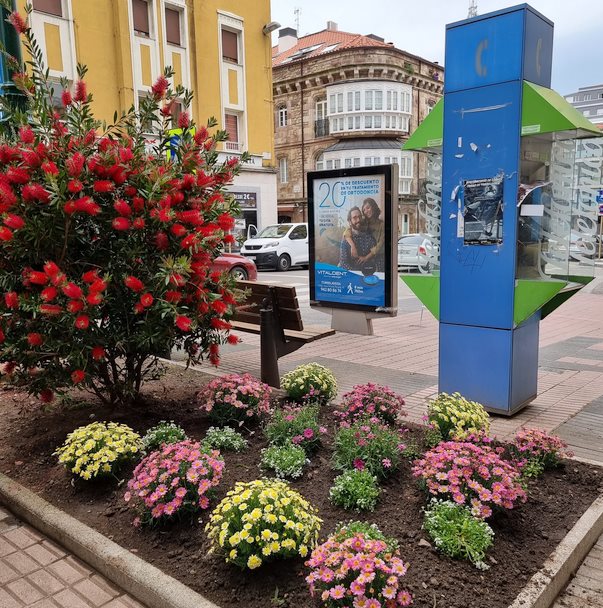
[[413, 250]]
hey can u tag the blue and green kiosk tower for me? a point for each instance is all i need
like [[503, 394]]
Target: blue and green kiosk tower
[[512, 228]]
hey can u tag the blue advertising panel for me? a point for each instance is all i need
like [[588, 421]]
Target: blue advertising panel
[[351, 221]]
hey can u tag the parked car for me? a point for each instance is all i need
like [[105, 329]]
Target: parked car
[[412, 250], [240, 267], [279, 246]]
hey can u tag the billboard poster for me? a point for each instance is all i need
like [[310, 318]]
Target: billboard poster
[[483, 210], [351, 222]]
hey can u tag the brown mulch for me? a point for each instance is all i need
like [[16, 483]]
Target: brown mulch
[[524, 537]]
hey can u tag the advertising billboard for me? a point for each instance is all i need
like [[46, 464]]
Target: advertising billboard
[[352, 217]]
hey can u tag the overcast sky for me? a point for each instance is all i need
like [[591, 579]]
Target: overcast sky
[[418, 26]]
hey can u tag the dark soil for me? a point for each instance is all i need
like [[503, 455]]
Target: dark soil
[[524, 537]]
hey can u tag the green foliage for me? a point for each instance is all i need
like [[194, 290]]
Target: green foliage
[[287, 461], [164, 432], [351, 529], [457, 533], [456, 418], [356, 490], [224, 439], [297, 425], [310, 382]]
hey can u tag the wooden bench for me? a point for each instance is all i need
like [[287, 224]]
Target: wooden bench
[[272, 311]]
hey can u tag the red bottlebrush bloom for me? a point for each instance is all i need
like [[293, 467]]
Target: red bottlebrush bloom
[[35, 192], [183, 323], [82, 322], [161, 241], [103, 185], [98, 285], [35, 339], [17, 175], [2, 335], [134, 284], [50, 309], [14, 221], [177, 197], [201, 135], [37, 278], [165, 215], [66, 98], [69, 207], [7, 196], [225, 221], [184, 120], [51, 269], [218, 323], [59, 279], [146, 299], [77, 376], [138, 223], [139, 308], [11, 299], [75, 164], [5, 234], [173, 296], [74, 186], [214, 349], [17, 21], [26, 135], [219, 306], [229, 239], [168, 108], [46, 395], [125, 156], [160, 87], [90, 137], [203, 308], [188, 242], [177, 279], [98, 353], [87, 205], [232, 339], [73, 291], [50, 168], [90, 276], [81, 94], [49, 294], [31, 158], [178, 230], [94, 298], [191, 216], [121, 223], [122, 207], [215, 276], [130, 191], [188, 181], [138, 203], [75, 306]]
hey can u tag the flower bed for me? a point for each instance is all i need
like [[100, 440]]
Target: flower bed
[[523, 537]]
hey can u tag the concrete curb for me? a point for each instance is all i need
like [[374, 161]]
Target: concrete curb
[[544, 587], [145, 582]]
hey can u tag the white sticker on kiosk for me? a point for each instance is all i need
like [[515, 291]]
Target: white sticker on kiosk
[[532, 210]]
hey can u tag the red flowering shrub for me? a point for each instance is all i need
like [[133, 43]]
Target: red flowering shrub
[[106, 241]]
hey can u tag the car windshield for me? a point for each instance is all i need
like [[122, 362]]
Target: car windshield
[[271, 232], [414, 239]]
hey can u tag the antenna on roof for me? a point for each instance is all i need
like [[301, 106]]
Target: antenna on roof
[[472, 9], [297, 13]]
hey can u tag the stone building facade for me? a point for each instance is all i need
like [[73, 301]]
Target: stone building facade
[[346, 100]]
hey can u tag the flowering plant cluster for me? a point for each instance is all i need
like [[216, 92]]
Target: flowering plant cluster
[[263, 520], [476, 476], [163, 432], [107, 242], [99, 449], [310, 382], [287, 460], [224, 439], [235, 398], [358, 567], [176, 479], [371, 400], [455, 417], [367, 444], [457, 533], [298, 425], [540, 450], [356, 490]]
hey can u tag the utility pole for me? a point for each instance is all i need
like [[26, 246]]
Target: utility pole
[[472, 9]]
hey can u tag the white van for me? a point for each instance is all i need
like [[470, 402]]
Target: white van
[[279, 246]]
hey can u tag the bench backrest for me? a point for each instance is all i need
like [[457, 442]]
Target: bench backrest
[[284, 303]]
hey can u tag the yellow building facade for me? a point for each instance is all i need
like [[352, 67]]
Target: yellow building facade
[[220, 49]]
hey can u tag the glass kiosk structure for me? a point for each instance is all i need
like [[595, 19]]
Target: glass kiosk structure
[[514, 234]]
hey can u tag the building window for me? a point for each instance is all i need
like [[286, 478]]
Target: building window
[[172, 26], [51, 7], [356, 162], [282, 116], [282, 170], [368, 100], [377, 121], [340, 102], [378, 100], [348, 163], [231, 126], [319, 165], [140, 15], [405, 223], [230, 46], [321, 109], [368, 122]]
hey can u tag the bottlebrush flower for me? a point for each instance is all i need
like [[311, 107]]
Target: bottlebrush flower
[[75, 164], [160, 87], [66, 98], [50, 309], [98, 353], [178, 230], [14, 221], [17, 21], [50, 168], [183, 323], [225, 221], [46, 395], [146, 299], [74, 186], [82, 322], [37, 278], [5, 234], [31, 158], [51, 269], [122, 207], [58, 279], [17, 175], [219, 307], [49, 294], [139, 308], [35, 192], [90, 276], [133, 283], [138, 223], [81, 93], [184, 120], [103, 185], [78, 376], [11, 299], [233, 339], [74, 306], [35, 339], [26, 135], [87, 205], [161, 241], [121, 223], [98, 285], [173, 297], [94, 298], [71, 290]]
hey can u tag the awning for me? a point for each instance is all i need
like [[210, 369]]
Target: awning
[[543, 111]]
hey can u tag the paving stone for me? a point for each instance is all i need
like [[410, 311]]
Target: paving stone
[[53, 548], [7, 573], [9, 601], [22, 562], [68, 599], [6, 548], [68, 570], [46, 582], [96, 594], [45, 603], [105, 585], [21, 537], [42, 554], [25, 591], [116, 603], [130, 602]]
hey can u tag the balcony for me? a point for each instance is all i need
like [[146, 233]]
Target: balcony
[[321, 127], [232, 146]]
